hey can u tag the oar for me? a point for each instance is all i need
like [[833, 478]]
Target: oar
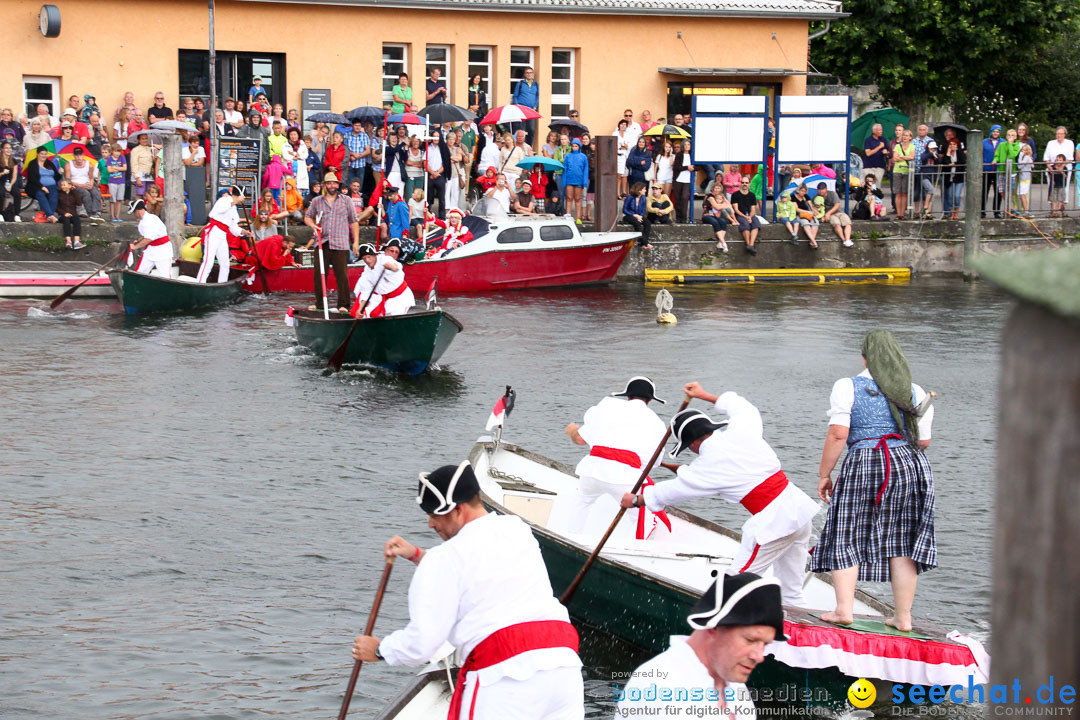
[[258, 263], [322, 268], [71, 291], [339, 355], [370, 628], [569, 592]]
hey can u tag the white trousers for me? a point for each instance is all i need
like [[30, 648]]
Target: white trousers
[[556, 694], [394, 306], [156, 260], [787, 556], [215, 247]]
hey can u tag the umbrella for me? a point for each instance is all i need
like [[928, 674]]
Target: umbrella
[[888, 118], [939, 132], [574, 128], [171, 125], [667, 131], [440, 113], [328, 117], [407, 119], [65, 150], [31, 155], [149, 133], [509, 114], [811, 182], [538, 160], [365, 112]]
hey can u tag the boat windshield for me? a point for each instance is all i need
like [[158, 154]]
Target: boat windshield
[[490, 208]]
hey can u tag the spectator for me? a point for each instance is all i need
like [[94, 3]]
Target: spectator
[[255, 131], [898, 136], [256, 89], [731, 179], [277, 112], [274, 177], [154, 200], [402, 95], [745, 205], [500, 192], [141, 164], [188, 106], [455, 182], [664, 165], [276, 139], [9, 183], [192, 154], [117, 167], [414, 166], [128, 104], [840, 220], [658, 207], [524, 200], [953, 171], [80, 131], [98, 134], [683, 172], [925, 153], [510, 155], [527, 93], [576, 178], [394, 158], [488, 180], [624, 140], [785, 212], [903, 157], [223, 127], [989, 175], [804, 208], [875, 154], [335, 154], [638, 162], [1060, 145], [8, 122], [242, 108], [159, 111], [635, 213], [519, 142], [1022, 137], [293, 119], [1025, 163], [263, 106], [294, 154], [66, 202], [48, 122], [231, 114], [84, 179], [273, 208], [42, 181], [121, 128], [358, 145], [1006, 152], [868, 199], [539, 183], [417, 209], [589, 151], [37, 135], [437, 164], [478, 104], [548, 148], [718, 213], [436, 88], [1059, 171], [646, 120]]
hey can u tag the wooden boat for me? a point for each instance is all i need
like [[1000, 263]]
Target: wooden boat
[[141, 293], [403, 343], [427, 697], [49, 278], [642, 590]]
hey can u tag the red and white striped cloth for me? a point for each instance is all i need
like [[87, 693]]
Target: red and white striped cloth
[[508, 114]]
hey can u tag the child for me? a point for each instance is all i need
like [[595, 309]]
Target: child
[[1058, 172], [1025, 163], [417, 206], [819, 206], [273, 177], [1005, 151], [67, 205], [488, 179], [785, 210], [116, 166], [539, 181]]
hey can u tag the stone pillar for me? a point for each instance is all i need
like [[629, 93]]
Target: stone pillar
[[173, 212], [973, 203]]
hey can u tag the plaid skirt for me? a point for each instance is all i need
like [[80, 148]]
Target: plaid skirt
[[859, 533]]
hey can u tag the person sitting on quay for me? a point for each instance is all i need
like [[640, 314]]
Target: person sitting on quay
[[381, 289], [658, 207], [840, 221]]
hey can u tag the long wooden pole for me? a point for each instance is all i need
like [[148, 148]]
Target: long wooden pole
[[568, 594], [339, 355], [367, 631], [213, 159]]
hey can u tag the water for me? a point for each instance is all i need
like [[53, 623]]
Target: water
[[191, 514]]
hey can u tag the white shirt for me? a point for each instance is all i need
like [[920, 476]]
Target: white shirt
[[503, 196], [843, 398], [389, 281], [677, 669], [487, 577], [1055, 148], [434, 158], [200, 154], [233, 117], [489, 157], [152, 227], [624, 425], [225, 212], [684, 176], [732, 462]]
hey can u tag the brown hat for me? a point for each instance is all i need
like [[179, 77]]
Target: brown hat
[[330, 177]]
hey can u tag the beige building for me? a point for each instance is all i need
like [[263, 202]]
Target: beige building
[[599, 56]]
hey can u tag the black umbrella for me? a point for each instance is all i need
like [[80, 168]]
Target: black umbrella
[[441, 113], [365, 112], [939, 132], [328, 117], [573, 126]]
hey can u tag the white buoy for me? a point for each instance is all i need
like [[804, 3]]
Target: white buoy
[[664, 302]]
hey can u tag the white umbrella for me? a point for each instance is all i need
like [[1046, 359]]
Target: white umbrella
[[171, 125]]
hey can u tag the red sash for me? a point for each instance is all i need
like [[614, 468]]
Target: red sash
[[759, 498], [883, 445], [160, 241], [504, 644], [627, 457], [230, 238], [380, 309]]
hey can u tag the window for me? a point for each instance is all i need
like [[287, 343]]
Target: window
[[236, 73], [556, 232], [480, 64], [520, 58], [395, 58], [41, 91], [438, 56], [516, 235], [562, 82]]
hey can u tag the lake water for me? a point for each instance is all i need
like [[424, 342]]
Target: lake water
[[191, 514]]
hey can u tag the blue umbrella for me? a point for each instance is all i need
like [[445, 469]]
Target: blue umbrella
[[365, 112], [538, 160], [328, 117]]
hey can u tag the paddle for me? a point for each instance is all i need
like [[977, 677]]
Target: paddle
[[569, 592], [339, 355], [71, 291], [370, 628], [258, 263], [322, 269]]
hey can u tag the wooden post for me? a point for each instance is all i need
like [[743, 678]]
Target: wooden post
[[606, 206], [173, 211], [973, 203]]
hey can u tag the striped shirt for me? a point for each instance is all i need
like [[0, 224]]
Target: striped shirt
[[334, 217], [357, 144]]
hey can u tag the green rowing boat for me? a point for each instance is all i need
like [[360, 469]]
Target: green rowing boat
[[140, 293], [403, 343]]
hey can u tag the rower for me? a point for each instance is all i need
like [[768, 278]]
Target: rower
[[485, 590], [385, 274], [733, 622], [222, 230], [740, 467], [157, 257], [622, 435]]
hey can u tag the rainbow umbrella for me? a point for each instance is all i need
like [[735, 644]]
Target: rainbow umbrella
[[65, 151], [31, 155]]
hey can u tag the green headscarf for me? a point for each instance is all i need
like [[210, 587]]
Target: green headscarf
[[889, 368]]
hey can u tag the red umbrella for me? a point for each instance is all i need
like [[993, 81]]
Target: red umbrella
[[509, 114], [407, 119]]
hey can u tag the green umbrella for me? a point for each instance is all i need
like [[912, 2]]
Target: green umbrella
[[887, 117]]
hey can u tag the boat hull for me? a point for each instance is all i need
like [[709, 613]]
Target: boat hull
[[402, 343], [49, 278], [141, 294]]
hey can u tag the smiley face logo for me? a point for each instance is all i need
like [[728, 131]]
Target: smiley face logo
[[862, 693]]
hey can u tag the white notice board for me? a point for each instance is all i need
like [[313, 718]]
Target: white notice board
[[809, 139], [729, 139]]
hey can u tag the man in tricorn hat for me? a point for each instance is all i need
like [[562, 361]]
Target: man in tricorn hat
[[622, 436], [485, 590], [157, 250], [733, 622], [740, 467], [381, 289]]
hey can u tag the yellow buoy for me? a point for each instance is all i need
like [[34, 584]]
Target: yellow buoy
[[189, 251], [663, 308], [666, 319]]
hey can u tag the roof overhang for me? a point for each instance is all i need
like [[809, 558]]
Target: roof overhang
[[589, 7], [693, 73]]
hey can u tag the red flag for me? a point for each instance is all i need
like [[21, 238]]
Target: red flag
[[502, 410], [432, 294]]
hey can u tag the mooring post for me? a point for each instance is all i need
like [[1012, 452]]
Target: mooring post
[[973, 203], [174, 212]]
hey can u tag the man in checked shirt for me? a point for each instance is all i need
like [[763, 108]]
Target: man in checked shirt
[[332, 217]]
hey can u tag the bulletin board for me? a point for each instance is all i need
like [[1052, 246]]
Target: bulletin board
[[729, 129], [813, 129]]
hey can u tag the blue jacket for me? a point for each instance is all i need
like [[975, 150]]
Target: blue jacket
[[634, 205], [527, 95], [397, 217], [638, 163], [989, 146], [576, 169]]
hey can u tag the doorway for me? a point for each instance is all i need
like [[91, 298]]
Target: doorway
[[236, 72]]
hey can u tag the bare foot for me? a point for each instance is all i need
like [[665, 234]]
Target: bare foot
[[837, 618], [901, 625]]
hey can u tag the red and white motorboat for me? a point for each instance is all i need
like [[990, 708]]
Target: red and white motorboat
[[49, 278], [508, 252]]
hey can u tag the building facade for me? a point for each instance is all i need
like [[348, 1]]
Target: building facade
[[599, 56]]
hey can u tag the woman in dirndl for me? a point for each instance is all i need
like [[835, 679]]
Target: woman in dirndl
[[880, 525]]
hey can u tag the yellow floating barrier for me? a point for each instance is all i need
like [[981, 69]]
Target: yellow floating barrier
[[781, 275]]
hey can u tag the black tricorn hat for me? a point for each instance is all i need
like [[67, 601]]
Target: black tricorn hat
[[639, 387], [689, 425], [441, 490], [743, 599], [393, 242]]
